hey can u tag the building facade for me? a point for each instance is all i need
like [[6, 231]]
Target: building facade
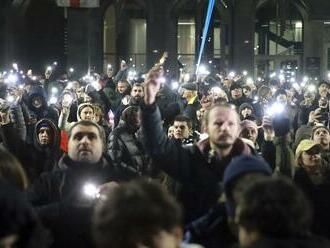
[[258, 36]]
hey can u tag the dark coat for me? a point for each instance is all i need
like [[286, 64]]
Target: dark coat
[[127, 152], [307, 242], [199, 173], [35, 158], [61, 204], [319, 197]]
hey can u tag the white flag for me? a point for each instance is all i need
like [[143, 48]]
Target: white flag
[[78, 3]]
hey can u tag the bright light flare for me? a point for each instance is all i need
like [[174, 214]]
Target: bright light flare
[[90, 190]]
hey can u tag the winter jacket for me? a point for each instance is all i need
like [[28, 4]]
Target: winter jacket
[[199, 172], [300, 242], [60, 201], [127, 152], [35, 158], [318, 194]]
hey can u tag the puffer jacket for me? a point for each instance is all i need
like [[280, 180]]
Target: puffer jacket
[[127, 152]]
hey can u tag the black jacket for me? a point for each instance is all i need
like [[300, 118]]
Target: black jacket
[[59, 199], [199, 173], [306, 242], [35, 158]]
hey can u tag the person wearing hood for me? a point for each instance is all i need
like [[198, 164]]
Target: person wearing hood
[[42, 154], [125, 147], [274, 213], [36, 101], [200, 167], [85, 111], [64, 198], [246, 112]]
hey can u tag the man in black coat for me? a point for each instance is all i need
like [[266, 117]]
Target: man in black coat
[[200, 167], [64, 198]]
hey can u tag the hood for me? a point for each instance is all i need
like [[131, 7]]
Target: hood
[[81, 106], [54, 132], [307, 242], [36, 91]]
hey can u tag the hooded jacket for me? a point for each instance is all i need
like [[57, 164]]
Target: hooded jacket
[[195, 167], [63, 123], [34, 157], [44, 111]]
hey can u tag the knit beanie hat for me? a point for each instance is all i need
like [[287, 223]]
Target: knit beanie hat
[[238, 167]]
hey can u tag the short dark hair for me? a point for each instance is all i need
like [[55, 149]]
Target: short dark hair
[[323, 82], [137, 85], [134, 213], [183, 118], [275, 208], [87, 124]]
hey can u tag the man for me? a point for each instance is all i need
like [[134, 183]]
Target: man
[[125, 148], [321, 135], [323, 90], [246, 112], [134, 99], [213, 229], [249, 130], [199, 168], [236, 94], [183, 129], [270, 201], [61, 195], [138, 214], [192, 102]]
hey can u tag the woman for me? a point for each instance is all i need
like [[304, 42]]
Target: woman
[[313, 177]]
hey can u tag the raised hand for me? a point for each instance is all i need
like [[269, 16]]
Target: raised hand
[[152, 84]]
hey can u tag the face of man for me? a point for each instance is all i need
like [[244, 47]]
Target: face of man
[[322, 137], [311, 159], [44, 136], [137, 92], [282, 99], [87, 113], [188, 94], [246, 112], [223, 127], [236, 93], [170, 132], [323, 90], [247, 91], [181, 130], [309, 98], [85, 144], [37, 102], [121, 87], [249, 133], [200, 114]]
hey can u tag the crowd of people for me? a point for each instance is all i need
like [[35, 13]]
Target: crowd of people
[[131, 160]]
